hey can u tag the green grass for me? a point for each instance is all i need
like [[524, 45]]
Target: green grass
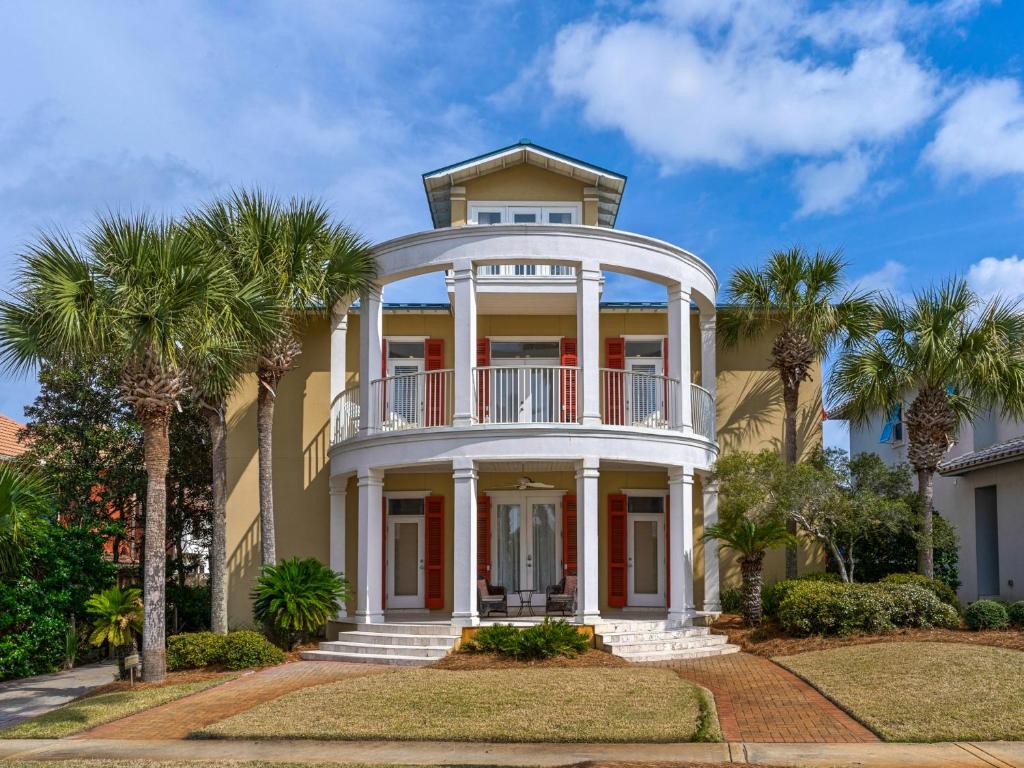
[[189, 764], [508, 705], [91, 711], [923, 691]]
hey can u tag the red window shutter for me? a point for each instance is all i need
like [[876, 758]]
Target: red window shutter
[[668, 557], [617, 545], [384, 553], [664, 371], [569, 536], [483, 359], [615, 383], [568, 389], [434, 550], [435, 411], [483, 537]]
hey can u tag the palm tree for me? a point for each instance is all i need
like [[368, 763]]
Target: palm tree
[[312, 265], [137, 293], [117, 618], [24, 499], [751, 539], [802, 301], [954, 355]]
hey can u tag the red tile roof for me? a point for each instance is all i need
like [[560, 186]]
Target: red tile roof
[[9, 445]]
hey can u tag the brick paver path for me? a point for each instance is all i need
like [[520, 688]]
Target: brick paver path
[[759, 701], [176, 719]]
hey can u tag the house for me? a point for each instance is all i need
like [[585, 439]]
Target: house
[[979, 489], [519, 433], [11, 447]]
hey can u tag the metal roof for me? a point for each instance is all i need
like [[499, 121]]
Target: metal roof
[[1000, 453], [437, 183]]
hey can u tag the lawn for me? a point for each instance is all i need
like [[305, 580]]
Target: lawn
[[923, 691], [90, 711], [547, 705]]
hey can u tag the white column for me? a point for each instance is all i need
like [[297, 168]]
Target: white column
[[337, 533], [464, 607], [712, 598], [588, 341], [587, 570], [679, 352], [680, 490], [371, 335], [708, 371], [464, 275], [369, 576], [339, 335]]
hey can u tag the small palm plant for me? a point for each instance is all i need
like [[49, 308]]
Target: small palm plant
[[751, 539], [117, 619], [296, 598], [24, 499]]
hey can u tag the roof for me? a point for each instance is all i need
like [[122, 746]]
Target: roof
[[609, 184], [10, 446], [1000, 453]]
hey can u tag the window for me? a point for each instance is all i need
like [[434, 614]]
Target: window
[[488, 217], [559, 217], [405, 507], [892, 430], [528, 213], [518, 350], [644, 347], [645, 505], [405, 350]]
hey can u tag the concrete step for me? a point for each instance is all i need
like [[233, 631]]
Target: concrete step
[[681, 644], [694, 653], [661, 634], [439, 628], [366, 658], [426, 651], [398, 638], [626, 625]]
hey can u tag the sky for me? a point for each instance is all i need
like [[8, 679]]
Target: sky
[[890, 129]]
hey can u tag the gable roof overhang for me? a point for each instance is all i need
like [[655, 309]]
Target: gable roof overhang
[[609, 185], [994, 455]]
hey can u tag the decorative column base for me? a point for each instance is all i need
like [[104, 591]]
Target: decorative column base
[[465, 620]]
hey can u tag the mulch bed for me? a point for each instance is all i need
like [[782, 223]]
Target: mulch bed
[[173, 678], [769, 640], [471, 660]]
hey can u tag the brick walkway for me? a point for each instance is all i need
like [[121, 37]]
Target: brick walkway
[[176, 719], [759, 701]]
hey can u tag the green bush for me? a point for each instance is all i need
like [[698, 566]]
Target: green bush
[[732, 600], [297, 597], [188, 607], [825, 608], [771, 595], [194, 650], [986, 614], [1015, 613], [235, 650], [941, 589], [540, 641]]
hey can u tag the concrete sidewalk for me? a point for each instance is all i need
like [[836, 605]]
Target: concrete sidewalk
[[968, 755], [31, 696]]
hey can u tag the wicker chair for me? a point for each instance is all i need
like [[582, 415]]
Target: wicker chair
[[561, 597], [491, 599]]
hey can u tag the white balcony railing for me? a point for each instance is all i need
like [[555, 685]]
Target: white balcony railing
[[702, 412], [529, 394], [345, 415], [525, 270], [634, 399], [412, 400]]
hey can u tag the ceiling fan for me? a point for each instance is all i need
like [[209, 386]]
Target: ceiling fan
[[526, 483]]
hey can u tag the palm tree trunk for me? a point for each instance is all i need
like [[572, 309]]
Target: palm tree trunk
[[265, 432], [750, 570], [925, 556], [156, 443], [790, 400], [218, 545]]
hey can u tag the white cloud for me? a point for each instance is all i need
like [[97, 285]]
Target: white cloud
[[830, 187], [993, 277], [889, 278], [981, 134]]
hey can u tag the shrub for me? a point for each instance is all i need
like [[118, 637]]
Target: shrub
[[771, 596], [1015, 613], [540, 641], [941, 590], [235, 650], [986, 614], [188, 607], [193, 650], [732, 600], [297, 597], [914, 605], [884, 552]]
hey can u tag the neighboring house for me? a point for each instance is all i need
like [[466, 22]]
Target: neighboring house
[[10, 446], [979, 489], [523, 431]]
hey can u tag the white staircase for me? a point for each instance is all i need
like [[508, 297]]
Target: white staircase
[[398, 644], [659, 641]]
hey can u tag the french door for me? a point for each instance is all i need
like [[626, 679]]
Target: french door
[[646, 552], [525, 543], [405, 561], [406, 397]]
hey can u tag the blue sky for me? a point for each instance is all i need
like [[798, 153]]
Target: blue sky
[[889, 128]]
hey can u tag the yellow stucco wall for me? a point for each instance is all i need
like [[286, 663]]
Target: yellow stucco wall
[[524, 182]]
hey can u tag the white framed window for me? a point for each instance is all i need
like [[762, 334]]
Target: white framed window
[[504, 212]]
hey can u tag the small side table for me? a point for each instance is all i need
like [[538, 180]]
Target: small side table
[[525, 601]]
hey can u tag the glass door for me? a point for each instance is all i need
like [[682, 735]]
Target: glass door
[[646, 533], [405, 562], [526, 551]]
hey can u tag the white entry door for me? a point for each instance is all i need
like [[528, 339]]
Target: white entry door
[[405, 561], [646, 534], [526, 543]]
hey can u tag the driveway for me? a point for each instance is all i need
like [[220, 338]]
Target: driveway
[[31, 696]]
